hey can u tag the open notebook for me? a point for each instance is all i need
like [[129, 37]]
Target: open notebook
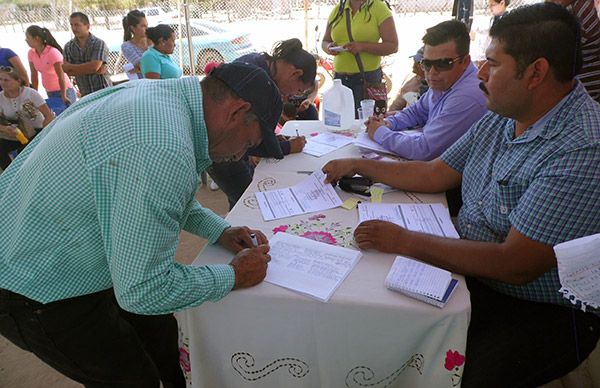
[[421, 281]]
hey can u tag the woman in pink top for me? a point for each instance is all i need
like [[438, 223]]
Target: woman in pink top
[[46, 56]]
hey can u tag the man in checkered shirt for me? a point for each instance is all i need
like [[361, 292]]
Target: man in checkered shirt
[[92, 211], [86, 56], [530, 174]]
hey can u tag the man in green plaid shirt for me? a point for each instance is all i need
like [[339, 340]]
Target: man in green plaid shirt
[[91, 216], [530, 174]]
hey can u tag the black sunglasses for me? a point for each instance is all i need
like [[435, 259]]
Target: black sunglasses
[[442, 64]]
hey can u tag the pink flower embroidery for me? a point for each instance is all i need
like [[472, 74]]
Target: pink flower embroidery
[[317, 217], [325, 237], [184, 360], [453, 359], [280, 228]]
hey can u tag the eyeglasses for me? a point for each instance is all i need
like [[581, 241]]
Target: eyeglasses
[[442, 64], [7, 69]]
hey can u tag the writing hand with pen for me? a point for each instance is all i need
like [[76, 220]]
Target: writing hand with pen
[[252, 254]]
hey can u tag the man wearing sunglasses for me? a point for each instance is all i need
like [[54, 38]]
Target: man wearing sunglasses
[[529, 173], [450, 106]]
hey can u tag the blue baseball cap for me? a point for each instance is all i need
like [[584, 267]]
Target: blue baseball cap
[[418, 56], [253, 84]]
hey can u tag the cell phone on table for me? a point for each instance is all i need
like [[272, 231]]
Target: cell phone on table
[[356, 184]]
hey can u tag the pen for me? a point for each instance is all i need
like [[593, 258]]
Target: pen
[[253, 238], [297, 133], [304, 172]]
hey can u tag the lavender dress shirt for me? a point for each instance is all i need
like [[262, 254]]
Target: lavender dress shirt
[[443, 117]]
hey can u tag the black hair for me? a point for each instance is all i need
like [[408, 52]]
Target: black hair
[[291, 51], [367, 5], [83, 17], [543, 30], [289, 109], [132, 19], [450, 30], [44, 35], [161, 31]]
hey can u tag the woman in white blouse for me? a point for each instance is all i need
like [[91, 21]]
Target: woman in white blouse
[[19, 105]]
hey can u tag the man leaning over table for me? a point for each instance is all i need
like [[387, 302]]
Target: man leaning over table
[[530, 174], [93, 209], [446, 111]]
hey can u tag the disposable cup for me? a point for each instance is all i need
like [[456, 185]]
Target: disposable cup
[[368, 107]]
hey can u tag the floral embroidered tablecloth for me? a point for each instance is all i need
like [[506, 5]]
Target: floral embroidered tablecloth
[[366, 336]]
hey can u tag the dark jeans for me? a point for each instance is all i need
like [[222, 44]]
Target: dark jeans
[[8, 146], [93, 341], [355, 82], [232, 177], [517, 343]]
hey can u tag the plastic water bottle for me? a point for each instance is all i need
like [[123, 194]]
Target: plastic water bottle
[[338, 107]]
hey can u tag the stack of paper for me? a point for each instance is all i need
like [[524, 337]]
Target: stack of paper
[[309, 267], [579, 270], [364, 141], [310, 195], [432, 218], [325, 143], [421, 281]]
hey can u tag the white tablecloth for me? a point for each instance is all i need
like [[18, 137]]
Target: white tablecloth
[[366, 336]]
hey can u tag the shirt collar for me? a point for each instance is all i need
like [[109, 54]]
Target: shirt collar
[[159, 53], [550, 124]]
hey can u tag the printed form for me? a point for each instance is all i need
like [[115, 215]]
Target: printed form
[[310, 195], [309, 267], [325, 143], [432, 218]]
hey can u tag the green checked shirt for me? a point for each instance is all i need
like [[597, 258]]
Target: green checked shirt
[[100, 196]]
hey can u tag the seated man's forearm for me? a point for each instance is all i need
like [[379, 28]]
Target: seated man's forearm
[[423, 177], [83, 68]]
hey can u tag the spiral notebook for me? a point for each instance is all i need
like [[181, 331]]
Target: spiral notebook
[[421, 281]]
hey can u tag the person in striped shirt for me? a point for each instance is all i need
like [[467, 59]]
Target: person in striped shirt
[[587, 15]]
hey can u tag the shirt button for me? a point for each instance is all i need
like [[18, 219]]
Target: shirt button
[[468, 226], [503, 209], [480, 203]]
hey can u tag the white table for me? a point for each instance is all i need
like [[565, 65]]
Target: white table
[[366, 336]]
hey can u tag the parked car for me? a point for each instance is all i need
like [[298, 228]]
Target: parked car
[[156, 14], [211, 42]]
